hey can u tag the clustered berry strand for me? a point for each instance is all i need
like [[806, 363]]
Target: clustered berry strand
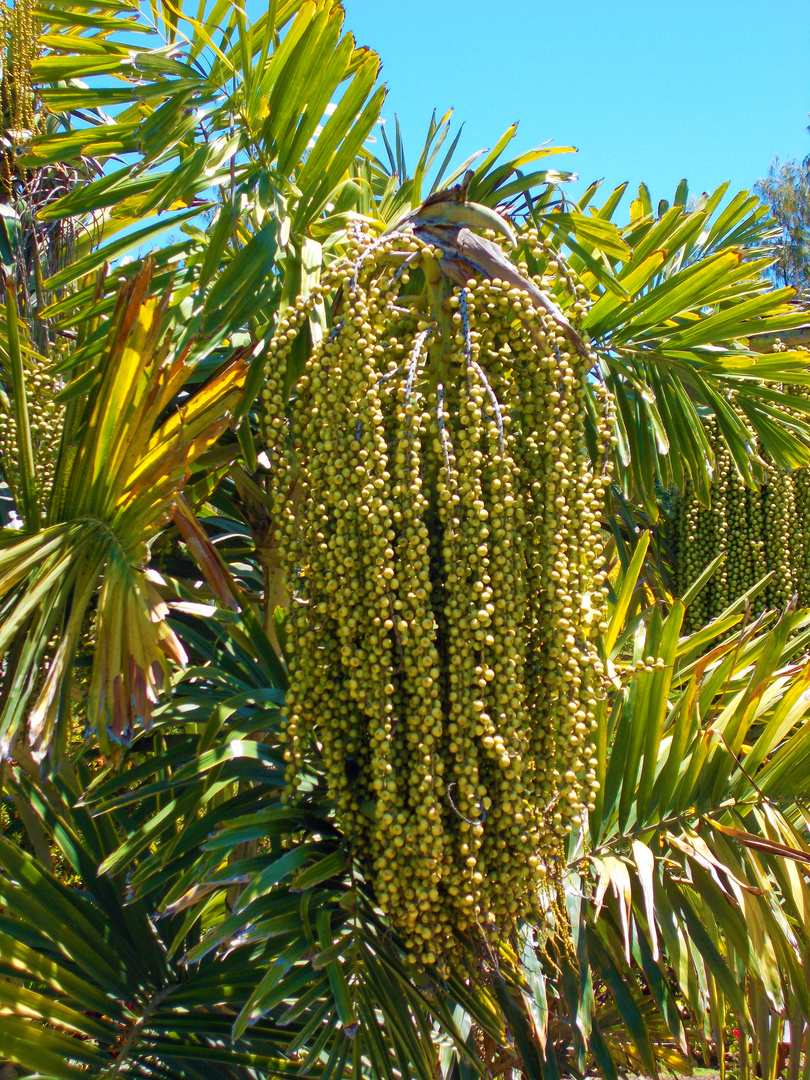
[[758, 531], [439, 518], [45, 414]]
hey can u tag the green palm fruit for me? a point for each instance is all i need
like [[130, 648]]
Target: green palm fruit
[[439, 517], [758, 532], [45, 420]]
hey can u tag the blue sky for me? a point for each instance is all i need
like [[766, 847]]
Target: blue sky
[[649, 90]]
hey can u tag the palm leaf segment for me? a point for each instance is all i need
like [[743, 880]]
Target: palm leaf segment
[[681, 313], [110, 989], [685, 896], [259, 121], [678, 325], [122, 465]]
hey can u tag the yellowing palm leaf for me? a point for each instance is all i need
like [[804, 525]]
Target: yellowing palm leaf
[[122, 467]]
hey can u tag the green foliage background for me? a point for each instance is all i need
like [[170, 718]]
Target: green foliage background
[[169, 913]]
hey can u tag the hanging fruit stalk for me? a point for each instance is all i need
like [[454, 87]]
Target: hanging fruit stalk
[[758, 532], [447, 575], [30, 421], [19, 35]]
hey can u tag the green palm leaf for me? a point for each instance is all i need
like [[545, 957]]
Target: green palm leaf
[[687, 876], [108, 995], [684, 342]]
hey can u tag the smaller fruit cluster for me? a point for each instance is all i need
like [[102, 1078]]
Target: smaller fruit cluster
[[45, 422], [757, 531]]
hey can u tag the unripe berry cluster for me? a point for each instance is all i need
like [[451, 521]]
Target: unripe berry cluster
[[758, 531], [439, 517], [45, 423]]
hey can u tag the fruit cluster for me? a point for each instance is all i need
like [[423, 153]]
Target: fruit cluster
[[440, 520], [19, 34], [756, 531], [45, 422]]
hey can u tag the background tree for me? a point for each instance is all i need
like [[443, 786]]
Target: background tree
[[786, 191]]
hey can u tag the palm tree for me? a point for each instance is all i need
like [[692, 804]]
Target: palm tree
[[206, 926]]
